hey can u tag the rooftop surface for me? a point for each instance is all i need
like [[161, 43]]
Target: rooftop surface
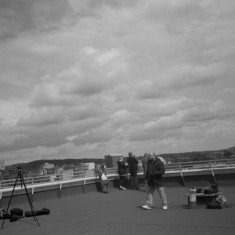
[[120, 212]]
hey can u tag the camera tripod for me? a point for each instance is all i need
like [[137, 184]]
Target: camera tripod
[[22, 183]]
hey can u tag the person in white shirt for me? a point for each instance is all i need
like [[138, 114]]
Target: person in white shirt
[[104, 181]]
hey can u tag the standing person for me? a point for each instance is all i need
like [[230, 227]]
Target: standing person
[[144, 166], [154, 173], [144, 163], [122, 172], [104, 181], [133, 168]]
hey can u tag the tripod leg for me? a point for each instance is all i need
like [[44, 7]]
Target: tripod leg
[[11, 198], [30, 203]]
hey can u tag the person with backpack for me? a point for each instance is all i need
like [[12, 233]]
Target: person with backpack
[[154, 180]]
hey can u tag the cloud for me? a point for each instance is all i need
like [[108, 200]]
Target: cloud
[[168, 122], [19, 16], [149, 90], [50, 93], [121, 116], [86, 78]]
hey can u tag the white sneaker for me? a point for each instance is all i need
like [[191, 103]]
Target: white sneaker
[[146, 207], [164, 207], [121, 187]]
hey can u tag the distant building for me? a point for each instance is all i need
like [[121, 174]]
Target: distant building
[[47, 169], [66, 174], [111, 160], [87, 166], [2, 165]]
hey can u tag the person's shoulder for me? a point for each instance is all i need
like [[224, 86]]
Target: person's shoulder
[[160, 164]]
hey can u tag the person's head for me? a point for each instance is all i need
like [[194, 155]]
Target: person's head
[[146, 155], [151, 156], [130, 154]]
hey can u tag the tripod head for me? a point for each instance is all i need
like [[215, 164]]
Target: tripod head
[[22, 183], [19, 168], [20, 171], [20, 174]]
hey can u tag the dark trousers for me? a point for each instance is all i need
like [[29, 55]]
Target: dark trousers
[[122, 180], [134, 180], [105, 185]]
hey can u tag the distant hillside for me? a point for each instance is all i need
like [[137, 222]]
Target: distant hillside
[[57, 162], [173, 157], [232, 149], [199, 155]]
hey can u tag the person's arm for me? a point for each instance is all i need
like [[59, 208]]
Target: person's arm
[[105, 171], [125, 165], [136, 161], [118, 163], [98, 173]]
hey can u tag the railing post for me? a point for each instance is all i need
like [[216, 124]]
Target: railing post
[[32, 190], [181, 174], [84, 185], [0, 198], [212, 172]]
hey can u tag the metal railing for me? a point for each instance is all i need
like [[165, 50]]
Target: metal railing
[[201, 165], [173, 167], [44, 179]]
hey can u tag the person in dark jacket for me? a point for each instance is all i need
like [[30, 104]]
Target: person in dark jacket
[[154, 180], [133, 168], [122, 171]]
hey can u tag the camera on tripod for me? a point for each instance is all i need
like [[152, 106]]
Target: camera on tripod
[[20, 178], [19, 168]]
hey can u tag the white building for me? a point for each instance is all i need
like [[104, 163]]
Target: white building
[[2, 165], [47, 169], [87, 166]]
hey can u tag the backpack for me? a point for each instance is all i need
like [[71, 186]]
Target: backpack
[[44, 211], [217, 203], [212, 189], [16, 211], [221, 199]]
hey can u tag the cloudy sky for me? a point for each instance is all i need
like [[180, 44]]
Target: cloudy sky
[[85, 78]]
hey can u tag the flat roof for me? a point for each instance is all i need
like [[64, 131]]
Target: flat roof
[[120, 212]]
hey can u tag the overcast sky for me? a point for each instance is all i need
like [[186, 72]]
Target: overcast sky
[[86, 78]]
